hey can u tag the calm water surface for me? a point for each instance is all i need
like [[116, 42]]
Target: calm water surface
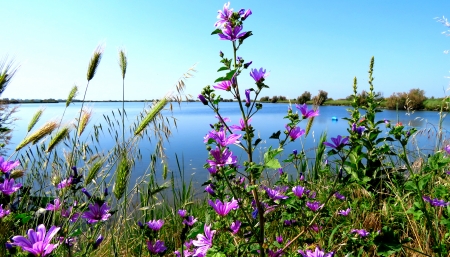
[[193, 121]]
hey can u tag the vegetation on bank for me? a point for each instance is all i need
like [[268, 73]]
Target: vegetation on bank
[[363, 194]]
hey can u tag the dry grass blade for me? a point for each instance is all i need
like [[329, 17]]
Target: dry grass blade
[[84, 120], [156, 108], [58, 138], [72, 94], [94, 62], [123, 62], [35, 119], [38, 134], [122, 176], [93, 171]]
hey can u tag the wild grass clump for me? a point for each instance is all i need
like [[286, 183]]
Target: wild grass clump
[[364, 193]]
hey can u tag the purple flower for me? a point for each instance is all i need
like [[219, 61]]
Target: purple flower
[[305, 113], [435, 202], [241, 127], [247, 97], [295, 152], [258, 75], [294, 133], [280, 171], [204, 242], [223, 208], [97, 213], [68, 214], [277, 192], [7, 166], [298, 191], [98, 241], [339, 196], [55, 206], [223, 85], [279, 239], [361, 232], [221, 158], [344, 212], [190, 221], [314, 206], [246, 14], [84, 191], [317, 253], [315, 227], [224, 15], [157, 247], [338, 142], [289, 222], [210, 190], [359, 129], [202, 99], [182, 213], [155, 225], [230, 33], [64, 183], [8, 187], [38, 242], [221, 137], [235, 226], [447, 149], [277, 253], [3, 212]]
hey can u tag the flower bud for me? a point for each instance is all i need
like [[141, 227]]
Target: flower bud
[[221, 54], [247, 64], [203, 99]]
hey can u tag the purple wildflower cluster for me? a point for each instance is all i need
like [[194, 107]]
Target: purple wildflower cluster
[[435, 202], [316, 253]]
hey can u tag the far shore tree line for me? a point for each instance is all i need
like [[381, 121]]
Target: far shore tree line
[[415, 99]]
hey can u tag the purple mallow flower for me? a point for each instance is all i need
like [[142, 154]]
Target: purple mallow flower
[[210, 190], [202, 99], [55, 206], [314, 206], [221, 137], [305, 112], [223, 208], [447, 149], [360, 232], [246, 14], [65, 183], [224, 15], [247, 97], [3, 212], [230, 33], [221, 158], [38, 242], [8, 187], [435, 202], [7, 166], [157, 247], [276, 193], [359, 129], [241, 125], [235, 226], [204, 242], [190, 221], [223, 85], [97, 213], [258, 75], [155, 225], [298, 191], [317, 253], [339, 196], [344, 212], [338, 142], [182, 213], [295, 132]]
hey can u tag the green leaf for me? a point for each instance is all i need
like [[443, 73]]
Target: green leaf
[[257, 141], [76, 232], [217, 31], [227, 77], [424, 181], [269, 158], [276, 135], [222, 69]]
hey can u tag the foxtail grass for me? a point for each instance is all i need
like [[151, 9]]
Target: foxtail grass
[[122, 176], [156, 109], [84, 120], [73, 92], [46, 129], [58, 138], [35, 119], [93, 171], [94, 62], [7, 72]]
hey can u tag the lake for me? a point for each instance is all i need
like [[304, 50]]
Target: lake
[[193, 119]]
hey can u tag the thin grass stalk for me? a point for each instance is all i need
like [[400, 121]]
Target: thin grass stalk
[[156, 109], [46, 129], [58, 138], [123, 67]]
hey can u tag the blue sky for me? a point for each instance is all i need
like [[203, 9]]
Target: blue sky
[[306, 46]]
